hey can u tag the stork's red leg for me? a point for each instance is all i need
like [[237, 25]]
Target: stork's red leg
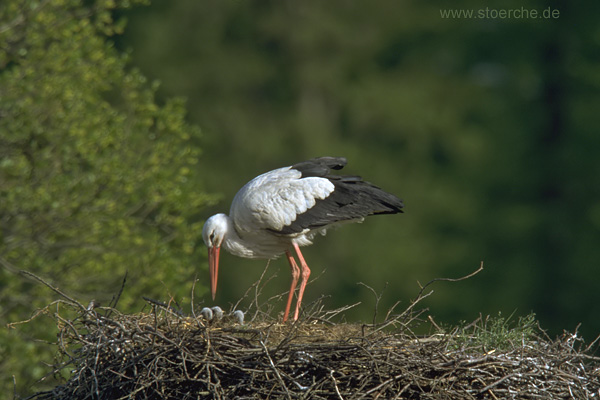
[[305, 273], [295, 276]]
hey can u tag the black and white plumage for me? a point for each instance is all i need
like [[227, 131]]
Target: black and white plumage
[[285, 208]]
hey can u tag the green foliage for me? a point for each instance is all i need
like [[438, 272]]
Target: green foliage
[[96, 178], [495, 333]]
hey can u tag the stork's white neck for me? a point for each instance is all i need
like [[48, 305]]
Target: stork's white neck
[[234, 244]]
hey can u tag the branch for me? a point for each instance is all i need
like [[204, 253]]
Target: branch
[[55, 289], [450, 279]]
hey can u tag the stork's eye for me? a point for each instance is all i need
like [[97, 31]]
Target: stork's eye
[[212, 237]]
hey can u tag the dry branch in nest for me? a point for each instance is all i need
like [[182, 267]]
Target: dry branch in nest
[[166, 355]]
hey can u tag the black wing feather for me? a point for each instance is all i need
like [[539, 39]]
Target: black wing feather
[[352, 198], [320, 166]]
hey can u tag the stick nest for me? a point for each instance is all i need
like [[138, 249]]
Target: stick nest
[[165, 355]]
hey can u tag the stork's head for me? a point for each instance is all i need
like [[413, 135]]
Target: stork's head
[[213, 233]]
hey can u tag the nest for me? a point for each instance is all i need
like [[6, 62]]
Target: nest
[[163, 354]]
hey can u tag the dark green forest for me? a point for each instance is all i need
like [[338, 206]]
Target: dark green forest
[[124, 126]]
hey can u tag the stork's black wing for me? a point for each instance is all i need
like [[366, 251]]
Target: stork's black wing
[[352, 199]]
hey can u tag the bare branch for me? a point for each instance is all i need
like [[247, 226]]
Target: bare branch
[[55, 289], [472, 274]]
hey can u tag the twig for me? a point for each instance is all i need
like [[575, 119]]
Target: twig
[[275, 370], [327, 315], [377, 298], [257, 291], [337, 390], [451, 279], [165, 306], [14, 387], [192, 307], [499, 381], [115, 300], [55, 289]]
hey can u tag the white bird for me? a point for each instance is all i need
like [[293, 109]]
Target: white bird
[[207, 313], [217, 313], [285, 208], [238, 316]]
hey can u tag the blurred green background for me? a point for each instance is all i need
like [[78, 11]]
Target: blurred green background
[[486, 127]]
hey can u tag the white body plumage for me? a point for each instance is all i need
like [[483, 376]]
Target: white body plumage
[[264, 206]]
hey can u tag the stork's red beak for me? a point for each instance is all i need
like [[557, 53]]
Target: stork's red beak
[[213, 267]]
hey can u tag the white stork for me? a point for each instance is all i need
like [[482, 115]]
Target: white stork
[[285, 208]]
